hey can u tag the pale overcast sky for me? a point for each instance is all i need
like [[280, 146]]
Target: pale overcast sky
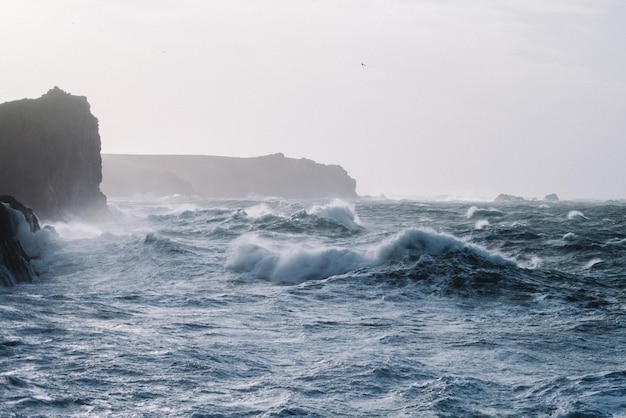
[[468, 98]]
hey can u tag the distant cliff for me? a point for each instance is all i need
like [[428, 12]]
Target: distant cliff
[[223, 177], [50, 156]]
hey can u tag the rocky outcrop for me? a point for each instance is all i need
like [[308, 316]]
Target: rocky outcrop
[[512, 199], [223, 177], [508, 198], [50, 157], [551, 197], [15, 264]]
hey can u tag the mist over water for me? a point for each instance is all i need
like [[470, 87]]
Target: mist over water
[[193, 307]]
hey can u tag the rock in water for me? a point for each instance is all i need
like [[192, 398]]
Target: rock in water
[[14, 262], [503, 197], [50, 157]]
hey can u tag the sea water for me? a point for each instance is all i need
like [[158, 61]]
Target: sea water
[[183, 306]]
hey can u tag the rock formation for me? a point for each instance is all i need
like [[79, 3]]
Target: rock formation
[[50, 156], [14, 262], [551, 197], [223, 177], [508, 198]]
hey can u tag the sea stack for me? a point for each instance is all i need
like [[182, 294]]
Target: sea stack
[[50, 158]]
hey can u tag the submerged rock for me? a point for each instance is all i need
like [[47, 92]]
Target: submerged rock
[[15, 264], [50, 156]]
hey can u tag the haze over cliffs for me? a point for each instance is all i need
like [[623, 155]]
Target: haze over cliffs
[[50, 161], [50, 156], [223, 177]]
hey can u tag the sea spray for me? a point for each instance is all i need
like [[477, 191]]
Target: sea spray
[[198, 312], [576, 214], [474, 211], [340, 212], [288, 263]]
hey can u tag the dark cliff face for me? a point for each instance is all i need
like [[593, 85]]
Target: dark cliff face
[[50, 156], [14, 262], [224, 177]]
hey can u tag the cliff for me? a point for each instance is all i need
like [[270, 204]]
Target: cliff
[[14, 262], [223, 177], [50, 156]]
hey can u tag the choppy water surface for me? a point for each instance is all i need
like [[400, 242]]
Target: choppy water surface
[[187, 307]]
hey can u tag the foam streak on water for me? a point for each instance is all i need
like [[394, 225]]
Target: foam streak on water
[[188, 307]]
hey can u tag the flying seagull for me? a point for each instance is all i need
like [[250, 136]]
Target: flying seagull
[[363, 64]]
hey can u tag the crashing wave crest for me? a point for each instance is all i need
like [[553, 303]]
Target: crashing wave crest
[[259, 258]]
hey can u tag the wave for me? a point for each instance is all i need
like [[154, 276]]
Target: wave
[[336, 219], [592, 262], [576, 214], [165, 245], [291, 265], [481, 224], [476, 212], [340, 212], [413, 243], [571, 237], [283, 263], [34, 243]]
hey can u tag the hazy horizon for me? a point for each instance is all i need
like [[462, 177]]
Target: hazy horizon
[[424, 98]]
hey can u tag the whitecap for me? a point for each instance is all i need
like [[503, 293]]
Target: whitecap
[[481, 224], [284, 262], [570, 236], [290, 264], [533, 264], [474, 211], [589, 264], [340, 212], [573, 214], [417, 242]]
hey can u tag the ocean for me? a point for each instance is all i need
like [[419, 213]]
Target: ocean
[[187, 307]]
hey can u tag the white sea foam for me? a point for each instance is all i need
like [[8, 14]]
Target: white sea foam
[[265, 259], [290, 264], [416, 242], [476, 211], [340, 212], [570, 236], [77, 230], [260, 210], [471, 211], [533, 264], [481, 224], [300, 264], [250, 255], [589, 264], [573, 214], [33, 243]]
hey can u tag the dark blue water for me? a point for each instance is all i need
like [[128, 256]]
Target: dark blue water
[[188, 307]]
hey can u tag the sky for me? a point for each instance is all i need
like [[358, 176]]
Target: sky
[[414, 98]]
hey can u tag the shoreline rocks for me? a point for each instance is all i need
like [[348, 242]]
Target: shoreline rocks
[[15, 266]]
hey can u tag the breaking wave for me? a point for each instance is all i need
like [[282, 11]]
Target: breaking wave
[[264, 259], [474, 211]]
